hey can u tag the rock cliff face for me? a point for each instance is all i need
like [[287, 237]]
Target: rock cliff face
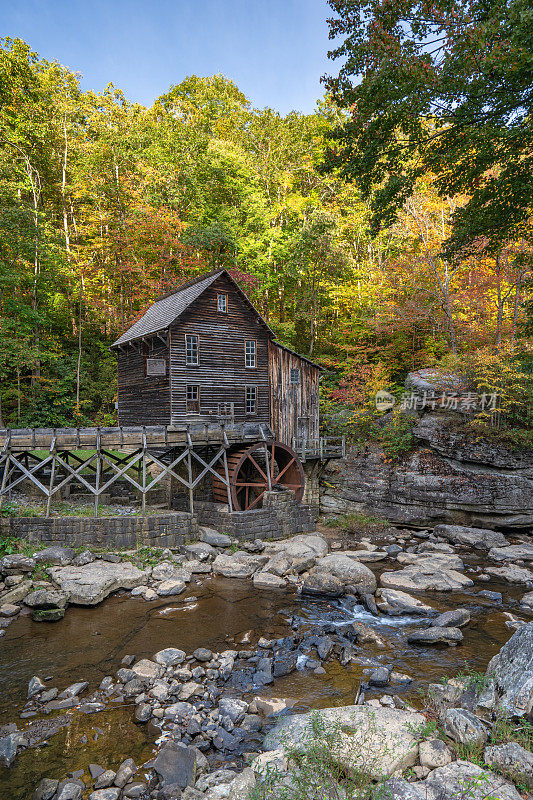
[[448, 478]]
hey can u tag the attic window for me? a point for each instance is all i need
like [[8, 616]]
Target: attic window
[[191, 350], [222, 303], [250, 353], [295, 375]]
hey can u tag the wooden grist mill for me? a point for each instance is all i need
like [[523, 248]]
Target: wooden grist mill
[[207, 399]]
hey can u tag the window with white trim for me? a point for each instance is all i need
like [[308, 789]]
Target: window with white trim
[[250, 399], [222, 303], [295, 375], [191, 350], [250, 353], [193, 399]]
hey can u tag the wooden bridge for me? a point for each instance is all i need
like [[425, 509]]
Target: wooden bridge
[[244, 460]]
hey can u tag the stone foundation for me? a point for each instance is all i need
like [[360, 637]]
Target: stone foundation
[[162, 530], [280, 516]]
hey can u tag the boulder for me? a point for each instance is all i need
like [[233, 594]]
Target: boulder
[[214, 538], [201, 551], [8, 747], [171, 587], [147, 670], [125, 773], [176, 765], [434, 562], [46, 598], [380, 740], [233, 708], [512, 574], [511, 760], [512, 671], [526, 602], [301, 546], [46, 789], [514, 552], [440, 635], [35, 687], [395, 602], [170, 656], [350, 572], [16, 563], [47, 614], [457, 618], [464, 727], [9, 610], [241, 786], [323, 584], [17, 594], [238, 565], [481, 538], [55, 555], [434, 753], [400, 789], [112, 793], [461, 779], [89, 585], [167, 571], [417, 578], [264, 580]]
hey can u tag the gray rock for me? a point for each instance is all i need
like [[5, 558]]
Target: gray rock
[[35, 687], [380, 677], [526, 602], [464, 727], [113, 793], [46, 599], [74, 689], [233, 708], [56, 555], [8, 747], [461, 779], [170, 656], [171, 587], [242, 785], [9, 610], [482, 538], [381, 740], [84, 558], [15, 563], [95, 770], [512, 574], [105, 779], [202, 551], [434, 753], [511, 760], [424, 577], [176, 764], [202, 654], [457, 618], [69, 790], [514, 552], [285, 663], [512, 671], [125, 772], [147, 670], [143, 712], [350, 572], [46, 789], [400, 789], [214, 538], [427, 636], [89, 585], [47, 614], [393, 601], [496, 596], [133, 790], [323, 584], [265, 580], [238, 565]]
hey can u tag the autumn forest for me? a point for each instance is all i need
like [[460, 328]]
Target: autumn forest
[[373, 259]]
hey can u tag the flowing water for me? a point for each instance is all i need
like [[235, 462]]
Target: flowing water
[[89, 643]]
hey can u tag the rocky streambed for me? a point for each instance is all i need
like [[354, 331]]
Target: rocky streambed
[[174, 691]]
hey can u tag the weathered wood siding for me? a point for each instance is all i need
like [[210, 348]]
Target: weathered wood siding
[[221, 373], [294, 406], [142, 400]]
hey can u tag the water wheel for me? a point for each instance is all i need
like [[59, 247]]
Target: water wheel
[[249, 468]]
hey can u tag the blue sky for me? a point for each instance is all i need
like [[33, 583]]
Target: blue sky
[[275, 50]]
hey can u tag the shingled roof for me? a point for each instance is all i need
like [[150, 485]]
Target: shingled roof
[[167, 309]]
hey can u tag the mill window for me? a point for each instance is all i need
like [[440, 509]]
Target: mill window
[[193, 399], [295, 375], [250, 353], [251, 399], [191, 350], [222, 303]]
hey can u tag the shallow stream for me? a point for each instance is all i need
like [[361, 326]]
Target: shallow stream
[[90, 643]]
